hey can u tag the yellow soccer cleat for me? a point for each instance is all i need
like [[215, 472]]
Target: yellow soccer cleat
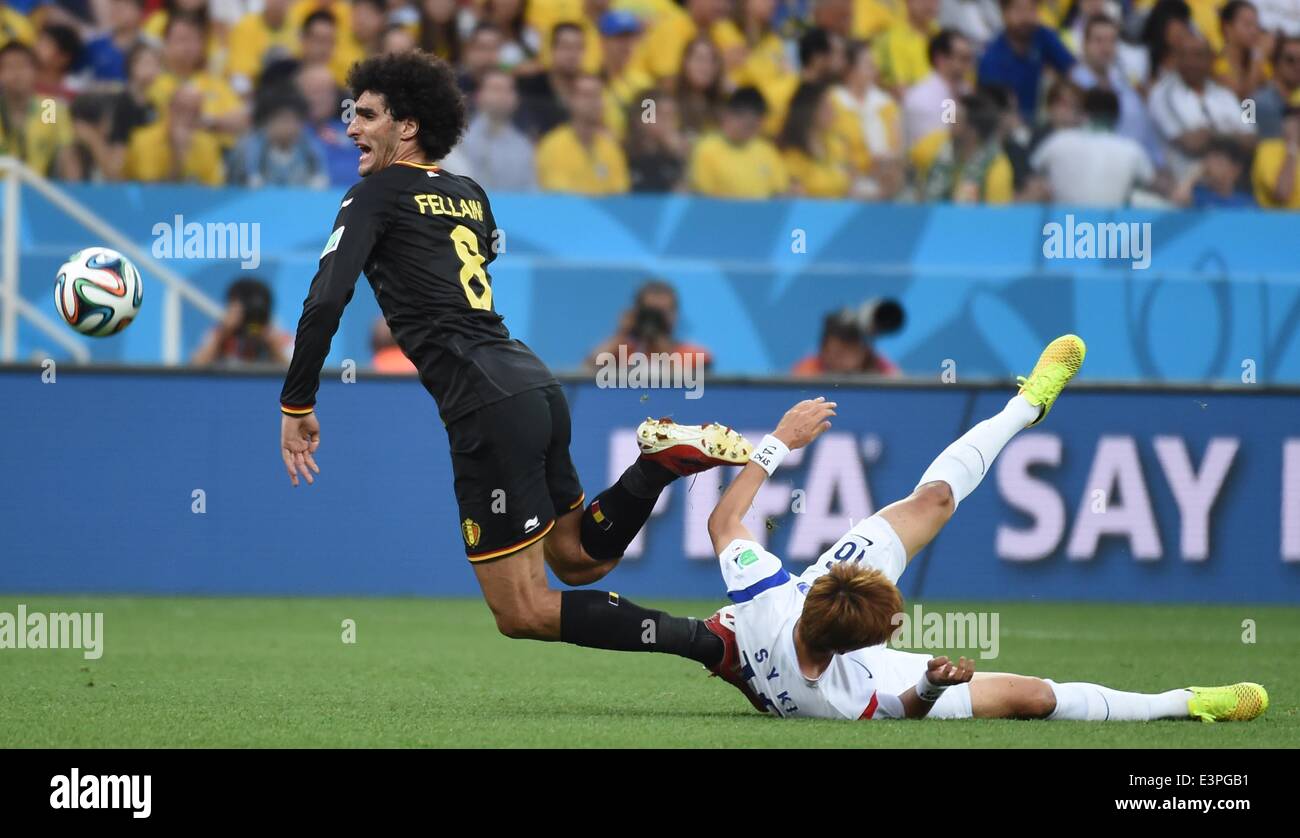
[[1235, 703], [1056, 366]]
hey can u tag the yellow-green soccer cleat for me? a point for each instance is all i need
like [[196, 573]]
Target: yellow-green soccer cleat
[[1234, 703], [1056, 366]]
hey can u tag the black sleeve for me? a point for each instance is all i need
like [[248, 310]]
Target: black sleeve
[[360, 223]]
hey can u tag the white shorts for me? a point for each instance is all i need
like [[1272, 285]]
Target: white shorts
[[895, 671], [871, 542]]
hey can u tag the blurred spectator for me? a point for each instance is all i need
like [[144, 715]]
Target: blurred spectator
[[92, 156], [1064, 109], [544, 96], [657, 149], [850, 18], [1092, 166], [280, 150], [1189, 108], [132, 108], [106, 54], [58, 52], [822, 56], [817, 160], [1243, 65], [902, 50], [259, 38], [1276, 172], [177, 148], [700, 88], [325, 115], [1283, 89], [493, 151], [951, 57], [184, 64], [397, 39], [318, 44], [388, 356], [650, 326], [1280, 16], [1017, 143], [734, 161], [1099, 67], [482, 53], [1018, 57], [367, 23], [1213, 182], [245, 334], [581, 156], [1167, 25], [520, 45], [15, 27], [673, 29], [979, 21], [966, 164], [34, 129], [874, 111], [845, 349], [439, 32], [766, 64], [620, 33]]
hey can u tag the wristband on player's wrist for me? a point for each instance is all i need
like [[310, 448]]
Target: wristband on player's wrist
[[927, 692], [289, 410], [769, 454]]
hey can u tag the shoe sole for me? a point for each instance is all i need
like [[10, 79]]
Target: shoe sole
[[716, 442]]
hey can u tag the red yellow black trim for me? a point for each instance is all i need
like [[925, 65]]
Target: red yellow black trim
[[579, 501], [428, 167], [290, 410], [514, 548]]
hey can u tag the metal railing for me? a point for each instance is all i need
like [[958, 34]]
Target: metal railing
[[12, 306]]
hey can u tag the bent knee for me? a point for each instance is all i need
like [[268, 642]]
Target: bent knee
[[937, 496], [1036, 700], [576, 577], [518, 625]]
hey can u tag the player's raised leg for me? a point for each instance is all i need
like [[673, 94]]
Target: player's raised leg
[[961, 466]]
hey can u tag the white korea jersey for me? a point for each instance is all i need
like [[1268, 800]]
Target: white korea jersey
[[768, 602]]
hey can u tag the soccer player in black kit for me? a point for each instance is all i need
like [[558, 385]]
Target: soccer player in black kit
[[424, 237]]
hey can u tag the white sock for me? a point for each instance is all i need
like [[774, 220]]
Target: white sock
[[963, 464], [1095, 703]]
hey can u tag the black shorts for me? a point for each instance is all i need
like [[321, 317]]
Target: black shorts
[[513, 472]]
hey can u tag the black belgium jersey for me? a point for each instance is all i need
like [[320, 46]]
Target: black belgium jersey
[[424, 238]]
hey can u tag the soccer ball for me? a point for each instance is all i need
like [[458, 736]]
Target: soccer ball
[[98, 291]]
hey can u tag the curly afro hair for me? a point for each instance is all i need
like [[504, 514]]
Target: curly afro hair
[[419, 86]]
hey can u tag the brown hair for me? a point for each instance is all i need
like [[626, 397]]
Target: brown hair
[[851, 607]]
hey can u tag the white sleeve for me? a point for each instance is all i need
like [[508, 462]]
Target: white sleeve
[[749, 570], [888, 707]]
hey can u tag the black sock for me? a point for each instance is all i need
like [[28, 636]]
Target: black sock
[[617, 514], [600, 620]]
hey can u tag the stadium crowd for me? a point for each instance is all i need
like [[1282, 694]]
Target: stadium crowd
[[1082, 102]]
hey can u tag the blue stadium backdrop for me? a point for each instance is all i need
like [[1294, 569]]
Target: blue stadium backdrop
[[165, 482], [1222, 289]]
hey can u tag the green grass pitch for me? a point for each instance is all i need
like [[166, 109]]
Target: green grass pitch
[[195, 672]]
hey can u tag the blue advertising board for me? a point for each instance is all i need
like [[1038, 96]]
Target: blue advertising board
[[162, 482], [1215, 295]]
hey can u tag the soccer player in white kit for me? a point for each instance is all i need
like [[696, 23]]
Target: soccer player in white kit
[[814, 644]]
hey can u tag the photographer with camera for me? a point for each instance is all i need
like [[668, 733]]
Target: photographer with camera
[[648, 327], [848, 341], [245, 334]]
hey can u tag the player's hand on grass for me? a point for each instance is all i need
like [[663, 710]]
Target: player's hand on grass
[[944, 673], [299, 439], [805, 422]]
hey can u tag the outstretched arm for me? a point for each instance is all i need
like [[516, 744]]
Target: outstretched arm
[[801, 424]]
